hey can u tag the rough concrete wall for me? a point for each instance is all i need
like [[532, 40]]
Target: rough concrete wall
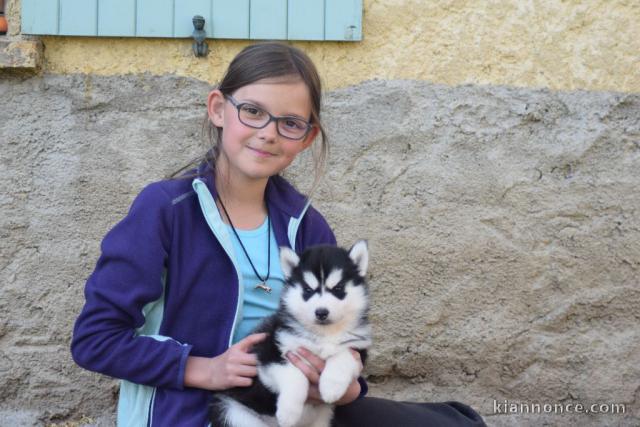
[[504, 230], [503, 226]]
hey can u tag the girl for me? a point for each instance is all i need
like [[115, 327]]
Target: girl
[[193, 267]]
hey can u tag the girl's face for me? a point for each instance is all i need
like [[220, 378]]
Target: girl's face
[[256, 154]]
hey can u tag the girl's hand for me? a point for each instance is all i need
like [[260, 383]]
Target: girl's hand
[[312, 366], [236, 367]]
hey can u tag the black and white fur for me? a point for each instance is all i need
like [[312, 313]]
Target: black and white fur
[[323, 307]]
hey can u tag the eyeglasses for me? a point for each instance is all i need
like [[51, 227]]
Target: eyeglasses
[[256, 117]]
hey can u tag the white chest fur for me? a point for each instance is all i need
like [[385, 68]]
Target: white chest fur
[[292, 386], [324, 346]]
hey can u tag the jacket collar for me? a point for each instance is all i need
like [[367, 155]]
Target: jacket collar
[[279, 192]]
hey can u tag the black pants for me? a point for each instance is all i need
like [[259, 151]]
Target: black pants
[[375, 412]]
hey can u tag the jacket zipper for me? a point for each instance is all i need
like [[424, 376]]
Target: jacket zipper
[[209, 209], [150, 411]]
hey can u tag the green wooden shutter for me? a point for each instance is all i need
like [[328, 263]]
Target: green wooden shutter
[[268, 19], [40, 16], [234, 19], [116, 18], [343, 20], [78, 17], [184, 12], [305, 20], [154, 18], [230, 19]]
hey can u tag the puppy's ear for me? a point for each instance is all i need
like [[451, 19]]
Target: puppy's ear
[[288, 261], [359, 254]]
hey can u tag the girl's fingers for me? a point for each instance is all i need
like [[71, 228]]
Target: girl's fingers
[[310, 372], [356, 355], [245, 371], [249, 341], [314, 394], [241, 382], [314, 360], [245, 359]]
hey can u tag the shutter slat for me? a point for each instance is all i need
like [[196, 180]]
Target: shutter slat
[[154, 18], [230, 19], [185, 11], [268, 19], [39, 16], [117, 18], [306, 20], [78, 17], [343, 20]]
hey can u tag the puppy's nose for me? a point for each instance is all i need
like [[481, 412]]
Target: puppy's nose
[[322, 313]]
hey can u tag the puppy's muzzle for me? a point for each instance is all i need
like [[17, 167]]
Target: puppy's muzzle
[[322, 315]]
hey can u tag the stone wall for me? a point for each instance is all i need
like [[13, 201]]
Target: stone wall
[[503, 225]]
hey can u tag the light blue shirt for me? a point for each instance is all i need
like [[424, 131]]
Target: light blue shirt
[[256, 303]]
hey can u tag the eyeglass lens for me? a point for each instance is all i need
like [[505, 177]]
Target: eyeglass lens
[[256, 117]]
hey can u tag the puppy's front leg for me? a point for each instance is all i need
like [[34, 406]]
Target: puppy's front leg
[[294, 388], [338, 373]]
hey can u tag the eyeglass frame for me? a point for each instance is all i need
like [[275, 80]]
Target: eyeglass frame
[[272, 118]]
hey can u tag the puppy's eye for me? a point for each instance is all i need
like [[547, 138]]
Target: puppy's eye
[[340, 285], [306, 288]]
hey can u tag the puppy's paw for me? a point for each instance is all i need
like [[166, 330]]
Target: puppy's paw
[[288, 415], [333, 387]]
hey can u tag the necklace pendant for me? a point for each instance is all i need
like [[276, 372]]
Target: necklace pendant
[[264, 287]]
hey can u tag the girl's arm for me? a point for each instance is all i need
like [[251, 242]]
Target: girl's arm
[[128, 276]]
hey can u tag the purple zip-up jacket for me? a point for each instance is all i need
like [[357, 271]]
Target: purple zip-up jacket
[[165, 288]]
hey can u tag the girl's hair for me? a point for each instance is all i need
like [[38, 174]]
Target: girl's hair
[[269, 60]]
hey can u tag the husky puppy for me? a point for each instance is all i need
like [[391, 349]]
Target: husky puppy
[[323, 307]]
